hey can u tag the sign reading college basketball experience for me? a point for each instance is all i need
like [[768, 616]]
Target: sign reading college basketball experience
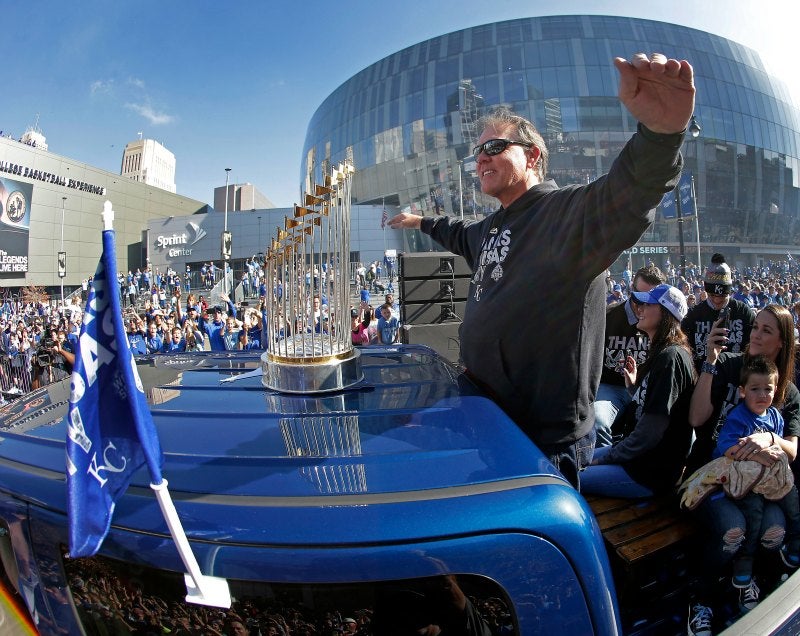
[[15, 222]]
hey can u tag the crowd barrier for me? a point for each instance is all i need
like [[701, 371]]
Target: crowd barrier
[[15, 376]]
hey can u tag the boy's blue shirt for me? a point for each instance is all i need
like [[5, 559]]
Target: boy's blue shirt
[[742, 422]]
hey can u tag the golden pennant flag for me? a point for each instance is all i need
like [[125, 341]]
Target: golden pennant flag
[[312, 200], [300, 211]]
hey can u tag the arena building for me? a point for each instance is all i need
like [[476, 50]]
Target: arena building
[[408, 122]]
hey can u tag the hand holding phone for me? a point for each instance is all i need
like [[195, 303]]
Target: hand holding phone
[[724, 317], [724, 322]]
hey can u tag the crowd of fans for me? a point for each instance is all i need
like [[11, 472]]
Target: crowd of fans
[[112, 598], [776, 281], [39, 340], [37, 344], [161, 316]]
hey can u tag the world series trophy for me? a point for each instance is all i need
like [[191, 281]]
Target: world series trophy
[[309, 346]]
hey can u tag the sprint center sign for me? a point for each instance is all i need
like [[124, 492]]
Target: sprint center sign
[[180, 243]]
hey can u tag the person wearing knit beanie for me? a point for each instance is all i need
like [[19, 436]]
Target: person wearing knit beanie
[[718, 284]]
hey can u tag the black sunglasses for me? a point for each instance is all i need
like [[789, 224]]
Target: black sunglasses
[[496, 146]]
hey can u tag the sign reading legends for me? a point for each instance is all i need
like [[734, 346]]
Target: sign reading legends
[[15, 222]]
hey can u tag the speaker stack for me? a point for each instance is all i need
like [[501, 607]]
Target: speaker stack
[[433, 292]]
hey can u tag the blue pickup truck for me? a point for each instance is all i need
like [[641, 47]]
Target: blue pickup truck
[[406, 504]]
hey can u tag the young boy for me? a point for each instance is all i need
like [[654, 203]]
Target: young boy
[[755, 414], [388, 325]]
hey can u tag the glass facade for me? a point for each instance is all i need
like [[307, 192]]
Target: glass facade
[[408, 122]]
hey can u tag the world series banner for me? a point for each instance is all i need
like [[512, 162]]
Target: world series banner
[[15, 222]]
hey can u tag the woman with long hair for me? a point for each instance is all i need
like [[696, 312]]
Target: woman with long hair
[[656, 436], [716, 393]]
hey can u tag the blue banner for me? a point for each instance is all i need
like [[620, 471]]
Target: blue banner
[[668, 205], [688, 204], [110, 431]]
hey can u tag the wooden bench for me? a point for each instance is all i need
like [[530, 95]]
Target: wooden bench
[[650, 548], [635, 529]]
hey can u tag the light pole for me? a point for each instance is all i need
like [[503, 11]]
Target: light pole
[[460, 192], [226, 243], [694, 131], [62, 255], [679, 212]]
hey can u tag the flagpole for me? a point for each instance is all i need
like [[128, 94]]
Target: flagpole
[[201, 589], [696, 223], [383, 222]]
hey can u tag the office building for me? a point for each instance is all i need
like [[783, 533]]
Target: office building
[[147, 161], [241, 196]]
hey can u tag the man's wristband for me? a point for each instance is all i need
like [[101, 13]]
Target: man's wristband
[[772, 435], [708, 368]]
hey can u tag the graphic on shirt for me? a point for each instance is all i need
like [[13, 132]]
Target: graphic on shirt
[[617, 347], [640, 396], [731, 399], [703, 328], [493, 252]]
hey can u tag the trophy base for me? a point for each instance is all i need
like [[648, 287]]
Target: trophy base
[[318, 376]]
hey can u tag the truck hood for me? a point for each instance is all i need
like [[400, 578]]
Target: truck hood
[[222, 432]]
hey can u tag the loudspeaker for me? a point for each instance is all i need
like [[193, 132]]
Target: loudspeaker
[[433, 265], [433, 287], [432, 313], [443, 339], [437, 289]]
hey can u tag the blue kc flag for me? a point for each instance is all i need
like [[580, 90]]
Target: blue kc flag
[[110, 431]]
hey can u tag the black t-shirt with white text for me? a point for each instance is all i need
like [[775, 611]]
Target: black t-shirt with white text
[[620, 337], [700, 318], [666, 389]]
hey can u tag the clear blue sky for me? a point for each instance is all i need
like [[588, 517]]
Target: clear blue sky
[[234, 84]]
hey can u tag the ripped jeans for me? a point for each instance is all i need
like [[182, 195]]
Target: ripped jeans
[[725, 527]]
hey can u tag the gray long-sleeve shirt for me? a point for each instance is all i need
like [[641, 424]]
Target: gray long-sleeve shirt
[[532, 333]]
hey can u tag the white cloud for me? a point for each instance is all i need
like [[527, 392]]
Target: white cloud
[[101, 86], [152, 116], [135, 81]]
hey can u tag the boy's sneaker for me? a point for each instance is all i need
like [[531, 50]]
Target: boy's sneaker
[[748, 597], [790, 557], [699, 620], [742, 572]]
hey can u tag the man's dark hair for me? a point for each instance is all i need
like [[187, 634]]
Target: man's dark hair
[[650, 274], [503, 117]]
